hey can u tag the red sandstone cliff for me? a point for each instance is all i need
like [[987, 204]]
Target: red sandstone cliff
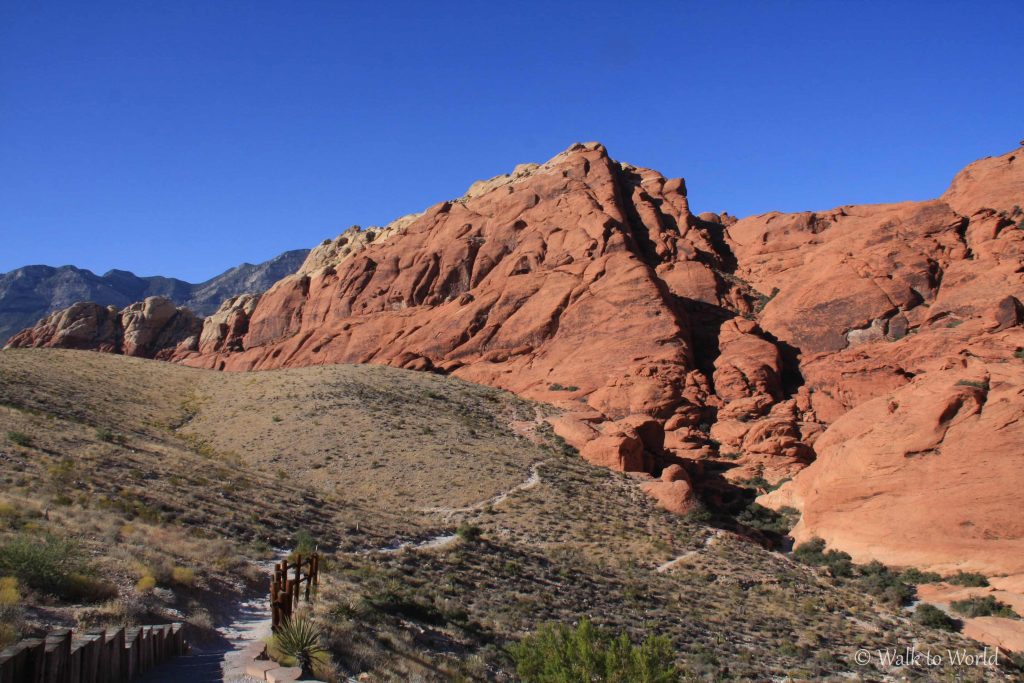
[[873, 354]]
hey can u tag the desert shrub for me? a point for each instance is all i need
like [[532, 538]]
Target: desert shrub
[[763, 300], [987, 606], [813, 553], [983, 385], [559, 654], [10, 516], [10, 611], [969, 579], [19, 438], [305, 543], [558, 387], [109, 435], [62, 475], [876, 579], [468, 532], [146, 583], [917, 577], [1019, 353], [53, 565], [202, 619], [298, 642], [756, 516], [932, 617], [184, 576]]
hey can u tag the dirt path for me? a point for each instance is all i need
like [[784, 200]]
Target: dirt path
[[498, 499], [222, 659], [675, 562]]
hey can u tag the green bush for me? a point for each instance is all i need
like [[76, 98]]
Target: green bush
[[469, 532], [558, 654], [969, 579], [756, 516], [917, 577], [305, 543], [813, 553], [19, 438], [109, 435], [53, 565], [987, 606], [876, 579], [932, 617], [11, 613]]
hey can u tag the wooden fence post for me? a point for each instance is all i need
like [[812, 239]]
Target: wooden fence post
[[275, 617], [58, 657], [309, 576], [90, 647], [24, 661], [130, 654], [114, 667]]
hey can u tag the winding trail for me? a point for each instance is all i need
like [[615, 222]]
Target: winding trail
[[675, 562], [529, 483], [224, 660]]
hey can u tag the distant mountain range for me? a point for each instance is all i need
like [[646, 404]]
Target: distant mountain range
[[29, 293]]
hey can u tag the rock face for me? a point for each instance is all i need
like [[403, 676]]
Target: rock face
[[154, 328], [30, 293], [870, 359], [545, 284]]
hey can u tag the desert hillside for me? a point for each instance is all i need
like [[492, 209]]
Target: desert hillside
[[166, 484]]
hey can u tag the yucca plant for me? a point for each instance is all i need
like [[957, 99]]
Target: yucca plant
[[299, 639]]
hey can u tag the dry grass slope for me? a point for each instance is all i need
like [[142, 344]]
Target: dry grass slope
[[169, 481]]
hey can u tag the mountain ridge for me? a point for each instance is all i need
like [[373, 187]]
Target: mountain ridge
[[31, 292]]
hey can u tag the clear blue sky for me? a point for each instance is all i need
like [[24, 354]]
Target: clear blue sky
[[181, 138]]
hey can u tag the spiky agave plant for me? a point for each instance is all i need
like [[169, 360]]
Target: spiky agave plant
[[299, 638]]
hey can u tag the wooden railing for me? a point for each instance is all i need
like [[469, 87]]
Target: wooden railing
[[110, 656], [286, 591]]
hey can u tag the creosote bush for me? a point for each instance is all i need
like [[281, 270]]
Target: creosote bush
[[933, 617], [917, 577], [873, 578], [19, 438], [10, 611], [53, 565], [813, 552], [468, 532], [987, 606], [559, 654], [969, 579]]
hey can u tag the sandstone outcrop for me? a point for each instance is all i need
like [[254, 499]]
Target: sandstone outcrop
[[154, 328], [673, 490]]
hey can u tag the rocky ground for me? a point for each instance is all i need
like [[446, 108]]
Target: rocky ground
[[454, 520]]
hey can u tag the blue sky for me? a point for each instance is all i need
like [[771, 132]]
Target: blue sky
[[181, 138]]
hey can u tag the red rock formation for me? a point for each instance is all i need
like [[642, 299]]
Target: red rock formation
[[153, 328], [673, 490], [523, 286], [762, 343], [80, 326]]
